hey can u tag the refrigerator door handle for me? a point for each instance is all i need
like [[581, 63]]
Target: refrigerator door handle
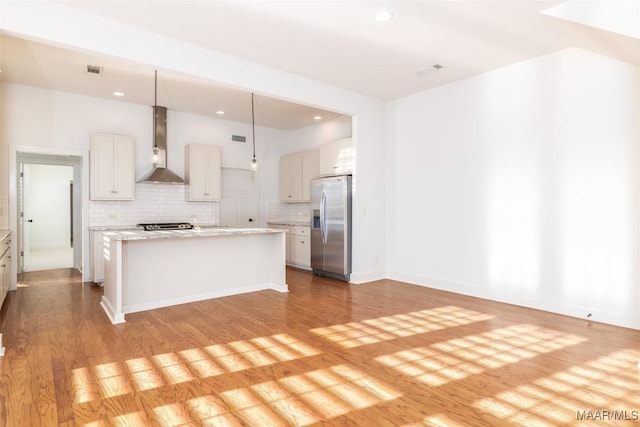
[[323, 216]]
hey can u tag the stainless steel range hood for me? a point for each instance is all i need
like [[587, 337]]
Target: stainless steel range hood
[[160, 174]]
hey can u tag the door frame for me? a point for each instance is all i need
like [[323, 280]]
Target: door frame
[[26, 159], [16, 153]]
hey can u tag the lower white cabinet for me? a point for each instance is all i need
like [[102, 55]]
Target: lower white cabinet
[[5, 268], [96, 247], [298, 245]]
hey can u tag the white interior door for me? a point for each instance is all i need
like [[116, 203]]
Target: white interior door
[[238, 207]]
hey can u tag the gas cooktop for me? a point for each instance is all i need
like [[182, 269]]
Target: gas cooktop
[[166, 226]]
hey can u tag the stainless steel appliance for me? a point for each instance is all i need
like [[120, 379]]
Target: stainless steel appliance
[[331, 227], [166, 226]]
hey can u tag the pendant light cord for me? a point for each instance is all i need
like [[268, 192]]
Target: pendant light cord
[[253, 126], [155, 118]]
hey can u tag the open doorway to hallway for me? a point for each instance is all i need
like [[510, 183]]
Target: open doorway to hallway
[[49, 214]]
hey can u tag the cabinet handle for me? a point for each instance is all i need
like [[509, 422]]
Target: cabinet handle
[[289, 196], [335, 167], [301, 241]]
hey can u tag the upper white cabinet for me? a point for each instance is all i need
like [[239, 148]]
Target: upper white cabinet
[[296, 172], [336, 157], [112, 167], [203, 172]]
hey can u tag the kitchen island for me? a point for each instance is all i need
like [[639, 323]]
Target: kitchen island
[[152, 269]]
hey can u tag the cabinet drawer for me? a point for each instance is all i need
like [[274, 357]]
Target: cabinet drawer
[[300, 231]]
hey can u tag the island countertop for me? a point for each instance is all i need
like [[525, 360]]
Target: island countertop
[[139, 234]]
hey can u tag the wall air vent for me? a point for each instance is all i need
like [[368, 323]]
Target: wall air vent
[[238, 138], [95, 70]]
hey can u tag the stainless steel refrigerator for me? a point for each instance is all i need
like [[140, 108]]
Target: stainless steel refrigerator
[[331, 227]]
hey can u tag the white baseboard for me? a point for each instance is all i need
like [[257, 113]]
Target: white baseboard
[[360, 278], [595, 314], [111, 313], [134, 308]]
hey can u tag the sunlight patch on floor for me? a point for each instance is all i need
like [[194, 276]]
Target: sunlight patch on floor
[[371, 331], [116, 379], [308, 398], [608, 383], [459, 358]]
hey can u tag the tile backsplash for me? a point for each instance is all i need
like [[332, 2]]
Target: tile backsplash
[[153, 203], [288, 211]]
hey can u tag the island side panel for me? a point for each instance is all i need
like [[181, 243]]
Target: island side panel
[[278, 253], [163, 272], [112, 292]]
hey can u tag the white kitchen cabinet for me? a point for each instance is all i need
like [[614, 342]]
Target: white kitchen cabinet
[[5, 268], [112, 167], [97, 256], [300, 246], [203, 172], [296, 172], [336, 157]]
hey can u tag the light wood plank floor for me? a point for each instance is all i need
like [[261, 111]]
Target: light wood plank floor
[[326, 353]]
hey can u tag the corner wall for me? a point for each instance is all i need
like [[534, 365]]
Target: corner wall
[[522, 185]]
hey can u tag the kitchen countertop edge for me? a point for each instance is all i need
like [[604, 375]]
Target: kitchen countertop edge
[[290, 223], [138, 234]]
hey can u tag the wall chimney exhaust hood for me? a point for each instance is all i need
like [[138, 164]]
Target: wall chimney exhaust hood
[[160, 174]]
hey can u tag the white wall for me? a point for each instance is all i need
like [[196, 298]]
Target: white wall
[[521, 185], [4, 166]]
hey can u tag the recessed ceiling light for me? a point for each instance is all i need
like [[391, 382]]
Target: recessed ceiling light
[[384, 16], [118, 93], [317, 117], [220, 112]]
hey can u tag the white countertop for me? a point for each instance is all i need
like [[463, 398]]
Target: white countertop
[[290, 223], [139, 234]]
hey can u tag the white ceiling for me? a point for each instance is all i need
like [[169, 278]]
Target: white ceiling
[[337, 42]]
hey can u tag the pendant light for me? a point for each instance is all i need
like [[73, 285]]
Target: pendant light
[[254, 163]]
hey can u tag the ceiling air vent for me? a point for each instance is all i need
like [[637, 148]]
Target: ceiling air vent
[[238, 138], [96, 70]]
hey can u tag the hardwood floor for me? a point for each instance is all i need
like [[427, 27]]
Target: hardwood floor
[[326, 353]]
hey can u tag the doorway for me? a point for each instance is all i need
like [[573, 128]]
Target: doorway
[[49, 217], [238, 207]]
